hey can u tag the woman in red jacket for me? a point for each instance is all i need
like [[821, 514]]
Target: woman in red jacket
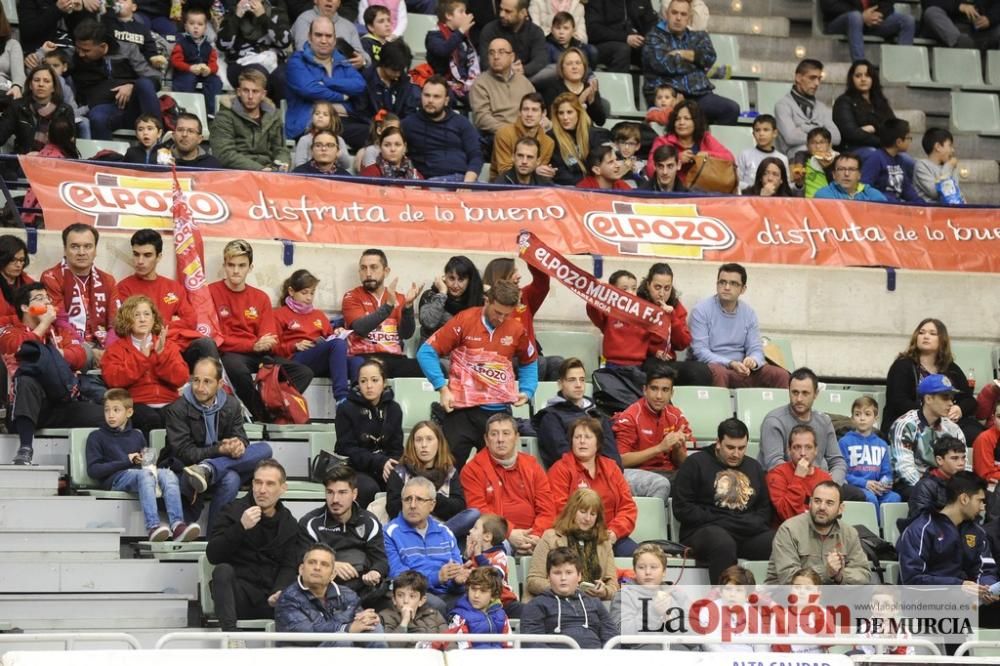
[[144, 362], [688, 132], [584, 467], [14, 260], [306, 336]]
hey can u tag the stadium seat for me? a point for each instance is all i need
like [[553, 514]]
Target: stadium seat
[[976, 360], [753, 404], [207, 603], [753, 449], [736, 138], [651, 522], [758, 568], [672, 524], [768, 94], [831, 401], [891, 512], [993, 67], [514, 576], [10, 11], [90, 147], [192, 102], [860, 513], [704, 407], [617, 88], [784, 345], [417, 27], [905, 64], [738, 91], [957, 67], [985, 635], [81, 481], [727, 50], [415, 395], [484, 177], [529, 445], [584, 346], [975, 112]]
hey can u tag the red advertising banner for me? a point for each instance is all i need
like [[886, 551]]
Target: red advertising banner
[[752, 229], [601, 295]]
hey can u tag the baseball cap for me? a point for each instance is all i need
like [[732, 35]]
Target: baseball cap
[[935, 384]]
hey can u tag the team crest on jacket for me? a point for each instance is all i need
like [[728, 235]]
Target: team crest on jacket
[[224, 311], [250, 313], [970, 540], [318, 323], [294, 325], [170, 298], [507, 340]]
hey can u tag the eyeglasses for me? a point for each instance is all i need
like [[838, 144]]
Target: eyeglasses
[[413, 499], [729, 283], [846, 169], [40, 298], [19, 260]]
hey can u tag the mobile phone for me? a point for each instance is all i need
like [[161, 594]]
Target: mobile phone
[[587, 585]]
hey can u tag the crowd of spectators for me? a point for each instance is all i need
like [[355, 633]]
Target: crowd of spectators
[[347, 70]]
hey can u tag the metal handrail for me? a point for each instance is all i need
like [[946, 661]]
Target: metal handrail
[[970, 645], [295, 637], [641, 639], [69, 638]]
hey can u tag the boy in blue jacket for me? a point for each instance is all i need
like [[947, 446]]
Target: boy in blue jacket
[[869, 465], [884, 169], [115, 460], [950, 547], [480, 611]]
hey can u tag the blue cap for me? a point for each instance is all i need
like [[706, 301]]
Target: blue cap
[[934, 384]]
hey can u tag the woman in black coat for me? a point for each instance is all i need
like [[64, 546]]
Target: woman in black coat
[[575, 136], [860, 112], [370, 431], [29, 117]]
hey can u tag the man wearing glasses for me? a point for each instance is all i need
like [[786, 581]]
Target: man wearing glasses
[[725, 334], [497, 92], [416, 540], [188, 151], [847, 182]]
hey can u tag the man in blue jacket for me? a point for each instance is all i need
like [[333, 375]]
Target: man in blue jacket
[[443, 145], [950, 547], [318, 73], [847, 181]]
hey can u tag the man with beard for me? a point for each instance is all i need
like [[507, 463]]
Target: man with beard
[[721, 500], [354, 534], [526, 39], [380, 318], [820, 541], [443, 145], [188, 151]]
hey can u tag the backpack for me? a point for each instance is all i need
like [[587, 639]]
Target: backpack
[[282, 400], [617, 388], [170, 110], [877, 549]]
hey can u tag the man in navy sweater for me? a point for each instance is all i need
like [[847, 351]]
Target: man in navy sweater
[[443, 145]]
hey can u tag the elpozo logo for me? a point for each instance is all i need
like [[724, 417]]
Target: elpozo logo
[[133, 202], [659, 230]]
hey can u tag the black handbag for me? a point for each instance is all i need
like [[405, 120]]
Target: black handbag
[[322, 464]]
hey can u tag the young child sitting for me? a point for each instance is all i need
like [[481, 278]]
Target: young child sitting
[[604, 170], [665, 98], [628, 608], [125, 27], [563, 610], [117, 459], [324, 117], [869, 465], [450, 51], [884, 170], [936, 177], [813, 170], [397, 16], [765, 133], [735, 585], [484, 548], [410, 613], [479, 611], [628, 138], [378, 21], [561, 37], [195, 59], [148, 132], [59, 62]]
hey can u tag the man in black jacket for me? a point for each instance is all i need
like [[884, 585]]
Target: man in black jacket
[[930, 493], [255, 549], [206, 441], [965, 25], [354, 534], [617, 28], [531, 55], [720, 498]]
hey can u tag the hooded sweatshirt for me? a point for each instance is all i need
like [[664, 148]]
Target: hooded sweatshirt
[[583, 618], [468, 620], [369, 435], [108, 450], [552, 425]]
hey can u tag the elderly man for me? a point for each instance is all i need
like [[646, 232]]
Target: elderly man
[[681, 58], [318, 72], [503, 480], [344, 27], [495, 95], [821, 541], [416, 540], [255, 549]]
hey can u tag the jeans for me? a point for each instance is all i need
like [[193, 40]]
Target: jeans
[[228, 474], [462, 522], [328, 359], [644, 483], [878, 500], [901, 26], [106, 118], [211, 86], [718, 109], [142, 482], [161, 25], [624, 547]]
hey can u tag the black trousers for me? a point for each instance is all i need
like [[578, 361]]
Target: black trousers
[[240, 368], [721, 549], [32, 410], [465, 430], [398, 366], [235, 598]]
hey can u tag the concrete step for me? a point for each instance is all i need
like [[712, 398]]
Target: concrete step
[[768, 26], [916, 118], [109, 576], [48, 451], [76, 512], [48, 544], [981, 193], [95, 611], [979, 171], [169, 551], [796, 10], [29, 480]]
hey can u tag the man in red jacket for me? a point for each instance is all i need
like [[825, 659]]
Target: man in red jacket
[[32, 404], [791, 483], [169, 296], [506, 482], [250, 334], [381, 318], [653, 436]]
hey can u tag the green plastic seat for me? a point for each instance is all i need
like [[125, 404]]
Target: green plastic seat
[[204, 590], [905, 64], [584, 346], [90, 147], [619, 91], [80, 480], [860, 513], [975, 112], [192, 102], [417, 27], [651, 521], [758, 568], [768, 94], [415, 396], [704, 407], [831, 401], [514, 576], [993, 67], [736, 138], [891, 512], [727, 50], [738, 91], [977, 361], [957, 67], [784, 345], [753, 404], [529, 445]]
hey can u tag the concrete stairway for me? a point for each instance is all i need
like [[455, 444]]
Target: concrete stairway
[[29, 481]]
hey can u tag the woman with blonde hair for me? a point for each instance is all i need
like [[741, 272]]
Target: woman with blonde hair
[[574, 136], [580, 526]]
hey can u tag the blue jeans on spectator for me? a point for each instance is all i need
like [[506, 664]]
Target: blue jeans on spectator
[[106, 118], [228, 474], [624, 547], [211, 86], [879, 500], [462, 523], [161, 25], [717, 109], [899, 25], [329, 359], [142, 482]]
